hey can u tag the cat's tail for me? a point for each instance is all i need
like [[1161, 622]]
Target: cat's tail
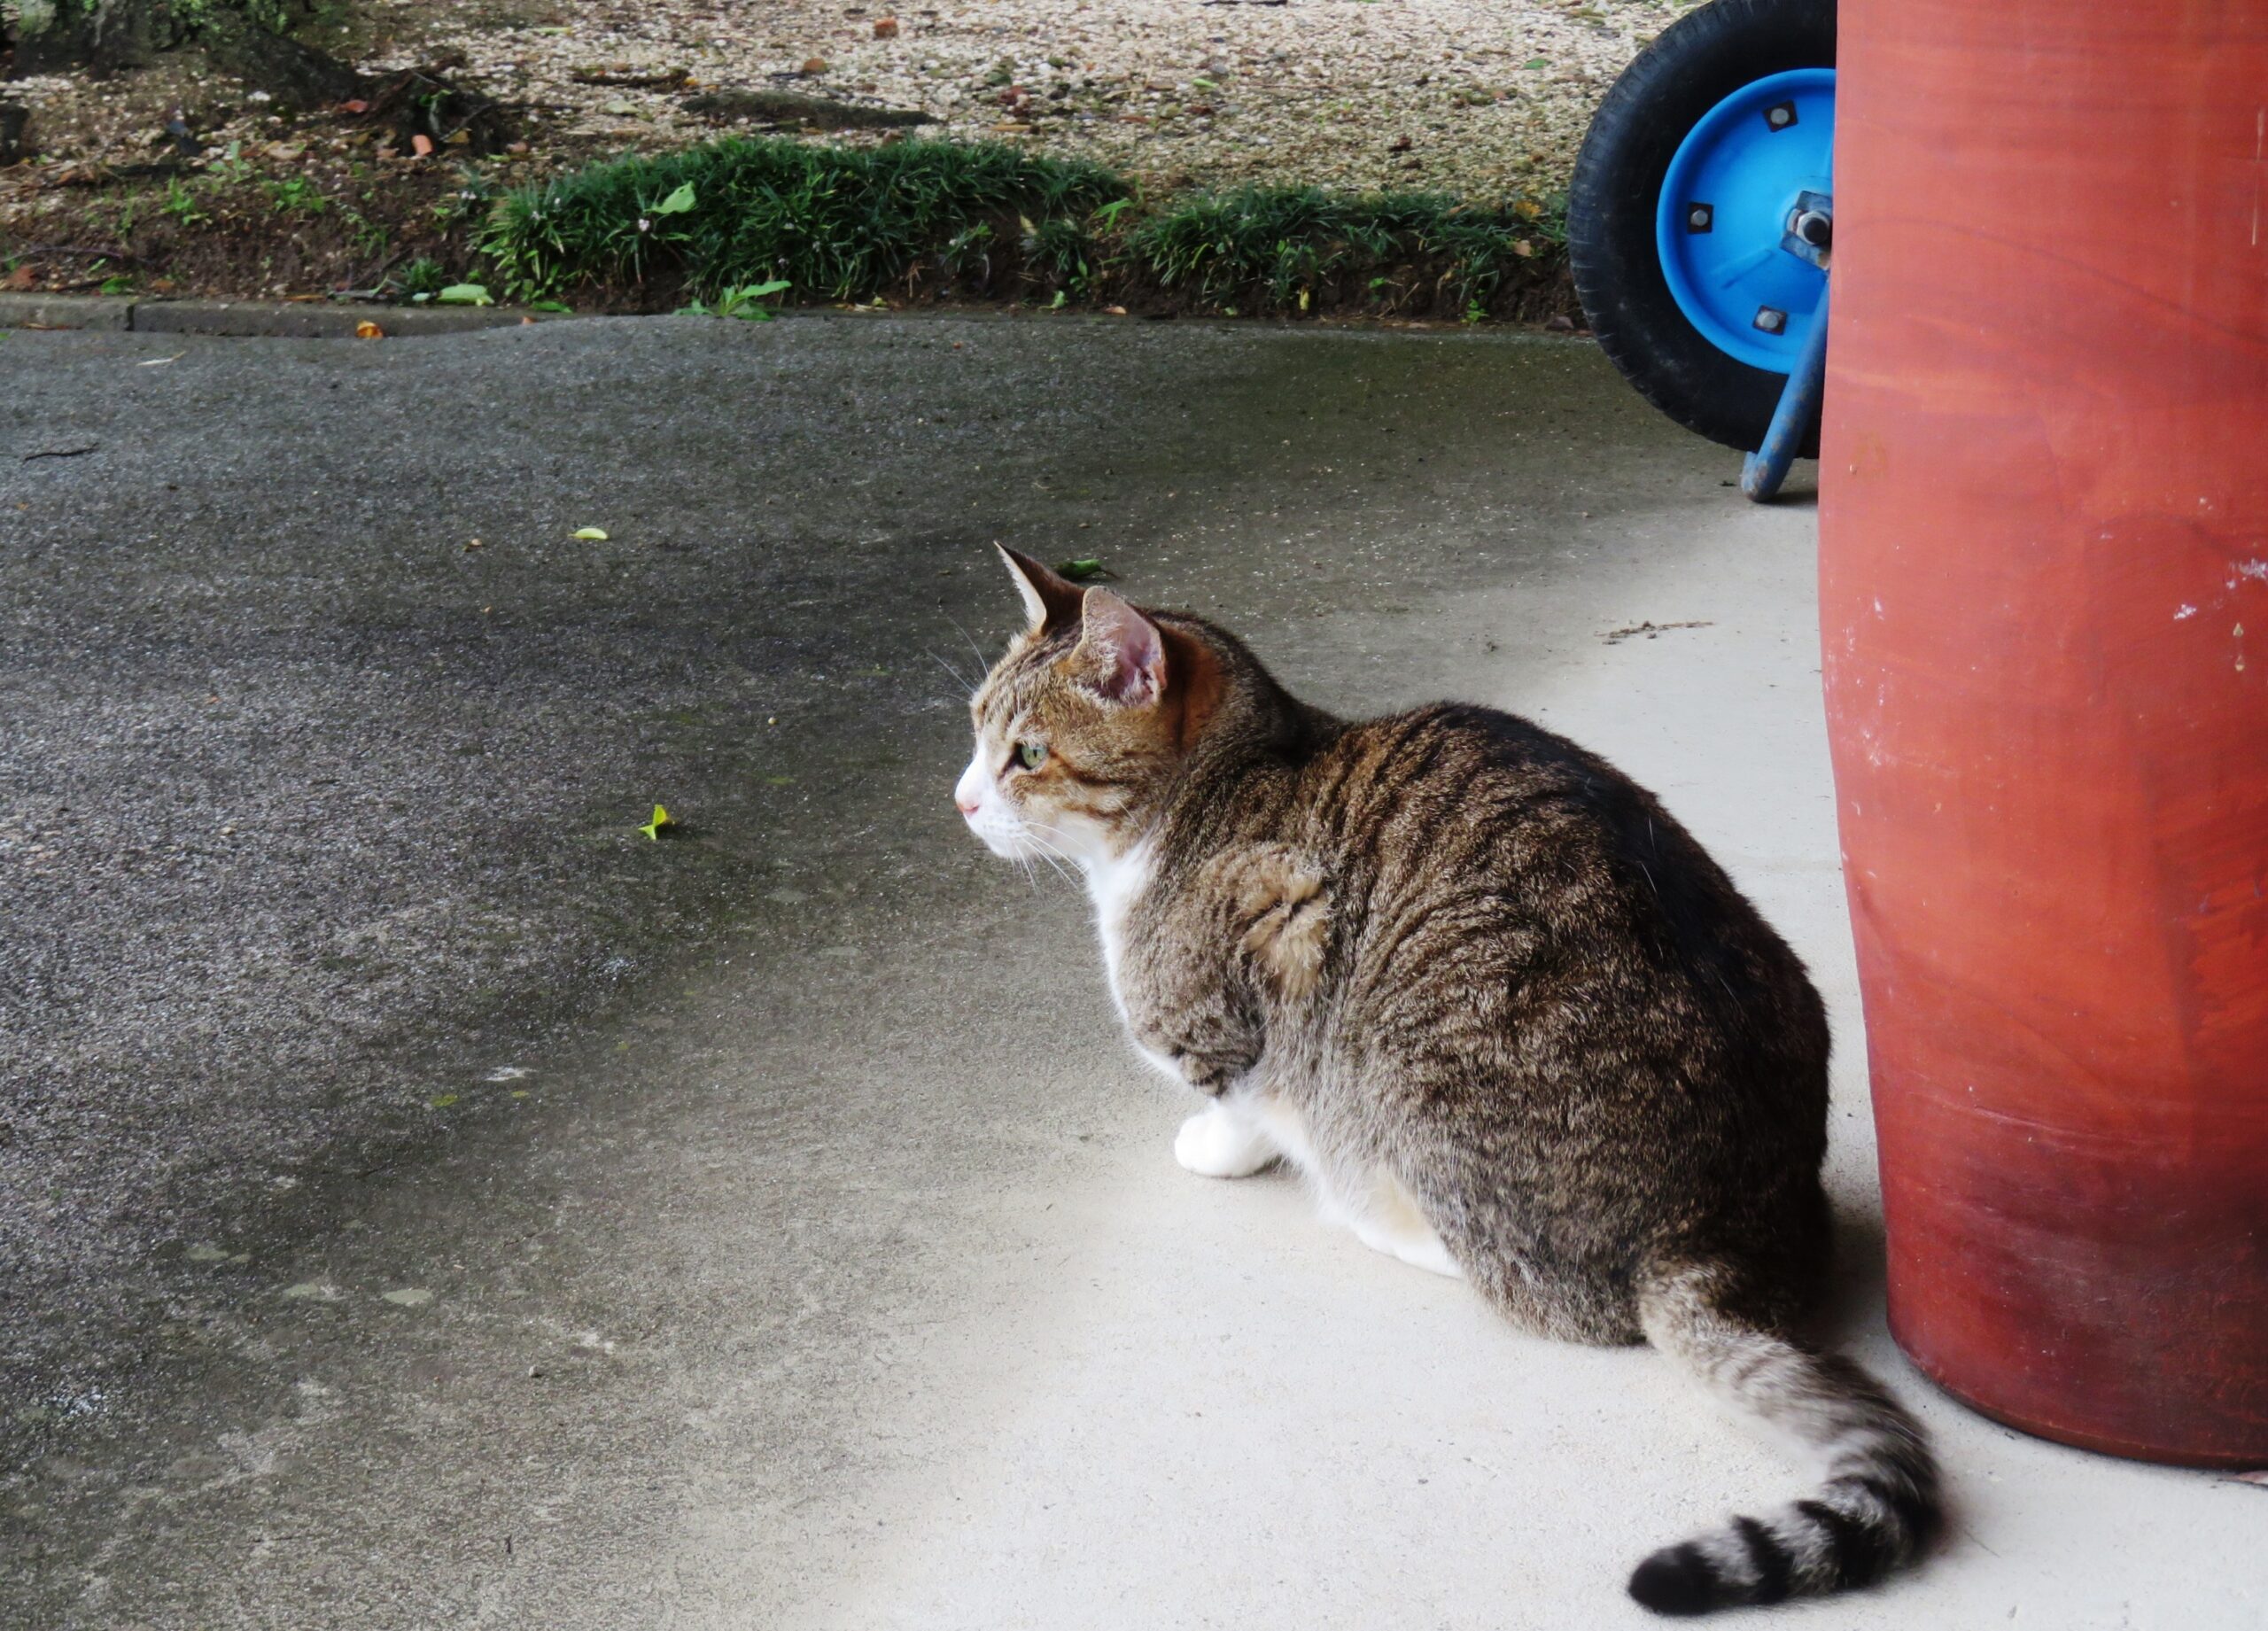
[[1878, 1506]]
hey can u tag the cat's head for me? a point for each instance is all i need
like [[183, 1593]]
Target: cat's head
[[1081, 727]]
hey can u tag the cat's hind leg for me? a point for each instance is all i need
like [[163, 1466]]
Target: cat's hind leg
[[1221, 1141], [1385, 1217]]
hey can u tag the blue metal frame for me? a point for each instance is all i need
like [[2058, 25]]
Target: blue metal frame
[[1763, 470], [1725, 203]]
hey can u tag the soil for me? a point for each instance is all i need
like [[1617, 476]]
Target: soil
[[178, 179]]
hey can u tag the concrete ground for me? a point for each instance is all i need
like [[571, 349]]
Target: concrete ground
[[425, 1201]]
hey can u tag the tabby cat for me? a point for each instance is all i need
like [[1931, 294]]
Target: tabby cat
[[1501, 1010]]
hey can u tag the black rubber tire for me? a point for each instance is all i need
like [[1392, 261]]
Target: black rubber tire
[[1695, 63]]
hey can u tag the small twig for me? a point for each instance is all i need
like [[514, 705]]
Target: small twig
[[73, 249], [630, 81], [60, 452], [1615, 637], [378, 288], [95, 174], [485, 108], [1967, 1535]]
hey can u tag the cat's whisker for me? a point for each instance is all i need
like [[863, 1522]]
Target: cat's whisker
[[1039, 832], [953, 673], [1054, 858], [1054, 855], [982, 665]]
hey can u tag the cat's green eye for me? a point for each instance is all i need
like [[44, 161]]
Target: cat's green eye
[[1031, 755]]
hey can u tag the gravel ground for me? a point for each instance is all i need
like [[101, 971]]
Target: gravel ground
[[1358, 93]]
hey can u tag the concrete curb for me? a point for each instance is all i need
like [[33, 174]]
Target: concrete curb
[[50, 311], [280, 319]]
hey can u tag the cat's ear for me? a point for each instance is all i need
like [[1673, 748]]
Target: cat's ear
[[1126, 650], [1050, 601]]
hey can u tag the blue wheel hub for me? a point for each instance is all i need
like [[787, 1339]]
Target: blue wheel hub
[[1745, 213]]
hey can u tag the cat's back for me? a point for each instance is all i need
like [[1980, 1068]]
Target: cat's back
[[1485, 838], [1454, 793]]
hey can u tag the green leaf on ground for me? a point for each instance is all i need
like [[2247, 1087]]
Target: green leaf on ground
[[676, 202], [1085, 569], [653, 828], [464, 294], [591, 534]]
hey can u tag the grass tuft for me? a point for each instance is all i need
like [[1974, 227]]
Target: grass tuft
[[1285, 249], [834, 223]]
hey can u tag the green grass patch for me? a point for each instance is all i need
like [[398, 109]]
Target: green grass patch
[[834, 223], [958, 221], [1293, 249]]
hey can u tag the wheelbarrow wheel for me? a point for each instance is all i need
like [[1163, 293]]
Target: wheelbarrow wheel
[[1679, 206]]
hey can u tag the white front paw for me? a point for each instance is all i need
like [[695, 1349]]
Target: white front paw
[[1217, 1143]]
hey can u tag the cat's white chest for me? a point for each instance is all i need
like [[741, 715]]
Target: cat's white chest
[[1114, 884]]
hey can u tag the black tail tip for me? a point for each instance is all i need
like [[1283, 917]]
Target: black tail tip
[[1676, 1581]]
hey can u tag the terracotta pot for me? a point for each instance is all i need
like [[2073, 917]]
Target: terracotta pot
[[2044, 597]]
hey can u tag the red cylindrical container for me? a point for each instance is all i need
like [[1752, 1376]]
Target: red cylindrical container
[[2044, 599]]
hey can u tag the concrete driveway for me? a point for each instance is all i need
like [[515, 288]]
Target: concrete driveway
[[426, 1201]]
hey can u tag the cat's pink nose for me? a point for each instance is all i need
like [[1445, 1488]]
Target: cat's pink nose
[[967, 806]]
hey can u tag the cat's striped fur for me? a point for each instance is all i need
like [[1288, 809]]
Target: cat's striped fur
[[1506, 1014]]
